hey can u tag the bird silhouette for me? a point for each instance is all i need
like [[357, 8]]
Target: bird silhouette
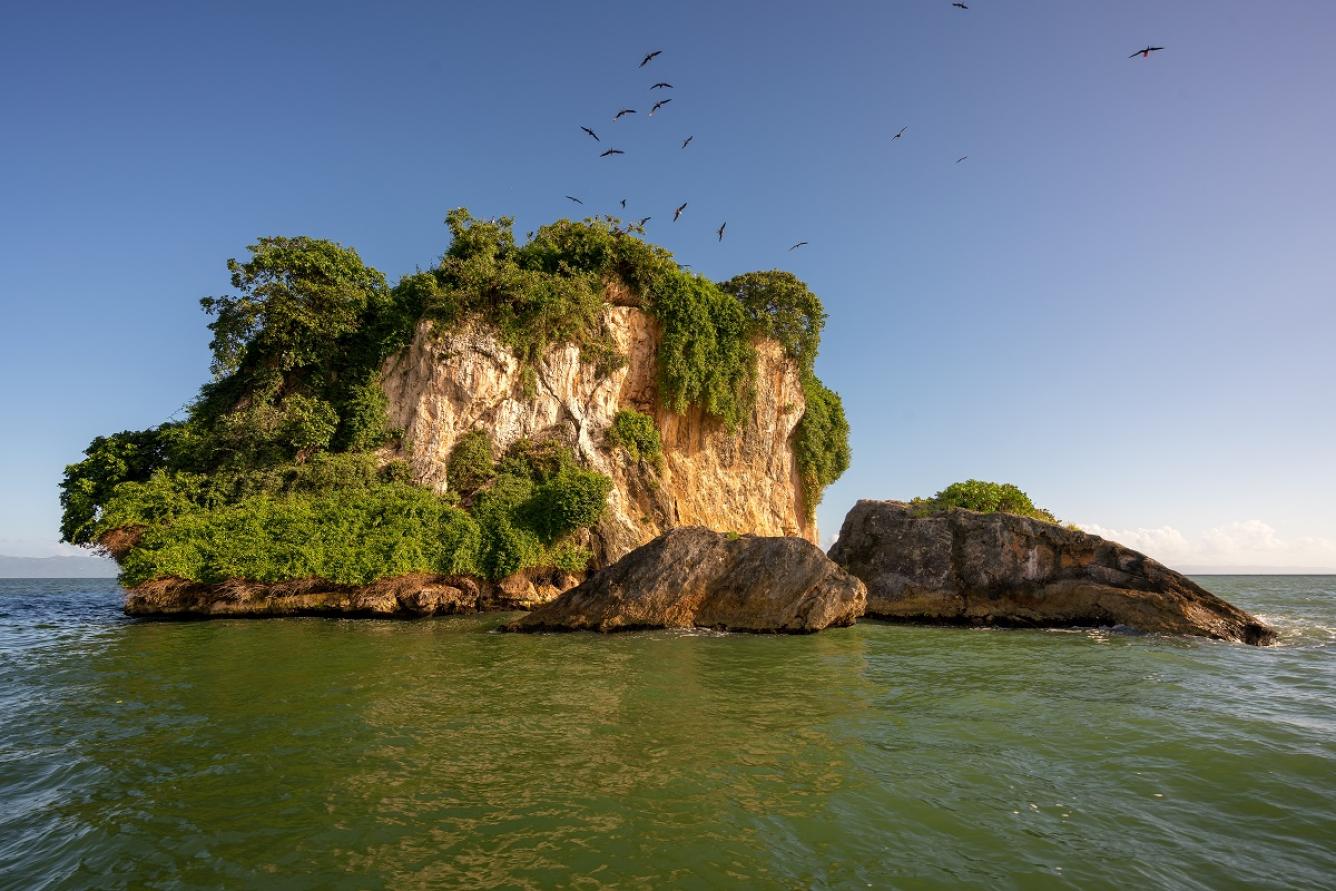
[[576, 200], [798, 245], [721, 230], [687, 141], [623, 204], [1145, 53], [677, 213], [624, 111], [612, 152], [901, 133], [657, 105], [649, 57], [591, 133], [961, 158], [961, 5], [661, 85], [642, 221]]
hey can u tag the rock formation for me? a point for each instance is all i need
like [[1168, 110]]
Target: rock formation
[[406, 596], [999, 569], [447, 383], [692, 577]]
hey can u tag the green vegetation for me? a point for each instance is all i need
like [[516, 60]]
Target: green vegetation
[[635, 433], [821, 442], [347, 519], [280, 467], [984, 497], [471, 462]]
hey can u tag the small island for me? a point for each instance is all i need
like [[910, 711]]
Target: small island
[[558, 425], [479, 435]]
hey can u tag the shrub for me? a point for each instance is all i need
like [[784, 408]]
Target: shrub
[[570, 500], [471, 463], [985, 497], [821, 441], [705, 357], [343, 536], [635, 433]]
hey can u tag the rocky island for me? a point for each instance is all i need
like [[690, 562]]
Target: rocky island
[[510, 428], [959, 566], [480, 435]]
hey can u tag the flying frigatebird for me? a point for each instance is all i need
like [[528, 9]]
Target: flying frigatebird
[[1145, 53], [677, 213], [649, 57]]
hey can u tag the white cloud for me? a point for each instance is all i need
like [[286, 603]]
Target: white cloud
[[1245, 543]]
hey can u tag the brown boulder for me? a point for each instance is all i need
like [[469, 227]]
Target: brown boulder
[[961, 566], [693, 577]]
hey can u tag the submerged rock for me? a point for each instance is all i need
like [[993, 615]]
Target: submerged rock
[[692, 577], [406, 596], [1000, 569]]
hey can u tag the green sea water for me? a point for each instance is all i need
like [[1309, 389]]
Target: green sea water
[[320, 753]]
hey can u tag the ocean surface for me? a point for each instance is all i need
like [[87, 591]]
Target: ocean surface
[[325, 753]]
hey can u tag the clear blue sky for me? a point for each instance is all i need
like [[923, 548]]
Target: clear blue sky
[[1124, 300]]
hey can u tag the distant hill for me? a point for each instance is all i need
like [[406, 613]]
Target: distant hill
[[63, 567]]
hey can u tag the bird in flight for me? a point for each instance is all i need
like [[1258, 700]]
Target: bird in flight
[[649, 57], [961, 5], [623, 204], [661, 85], [687, 141], [591, 133], [576, 200], [612, 152], [1145, 53], [657, 105], [961, 158], [642, 221], [798, 245], [901, 133], [624, 111], [677, 213], [721, 230]]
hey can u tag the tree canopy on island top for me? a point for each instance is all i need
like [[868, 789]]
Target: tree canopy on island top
[[277, 470]]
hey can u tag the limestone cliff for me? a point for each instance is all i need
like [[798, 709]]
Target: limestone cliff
[[446, 383]]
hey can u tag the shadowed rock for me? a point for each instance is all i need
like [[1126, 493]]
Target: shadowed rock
[[692, 577], [400, 597], [960, 566]]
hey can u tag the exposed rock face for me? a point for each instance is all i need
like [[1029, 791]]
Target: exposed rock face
[[692, 577], [963, 566], [408, 596], [448, 383]]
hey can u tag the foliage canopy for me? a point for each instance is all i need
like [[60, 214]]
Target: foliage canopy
[[985, 497]]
